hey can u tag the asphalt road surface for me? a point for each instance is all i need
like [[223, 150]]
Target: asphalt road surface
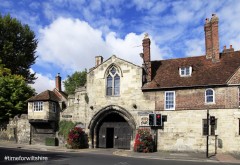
[[30, 157]]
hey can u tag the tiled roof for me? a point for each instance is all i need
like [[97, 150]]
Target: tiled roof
[[165, 73], [45, 96]]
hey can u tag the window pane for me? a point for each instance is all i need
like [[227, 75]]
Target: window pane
[[169, 100], [182, 71], [209, 96], [116, 85], [209, 99], [113, 71], [212, 127], [187, 71], [38, 106], [209, 92], [205, 131], [109, 85]]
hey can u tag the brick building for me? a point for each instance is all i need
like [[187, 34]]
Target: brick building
[[119, 96]]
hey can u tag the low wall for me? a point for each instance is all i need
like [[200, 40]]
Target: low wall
[[18, 130]]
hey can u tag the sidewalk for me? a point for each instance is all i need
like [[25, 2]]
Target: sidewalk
[[180, 156]]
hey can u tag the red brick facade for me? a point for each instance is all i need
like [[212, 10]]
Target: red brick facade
[[194, 99]]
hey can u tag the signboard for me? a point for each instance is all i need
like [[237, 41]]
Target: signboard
[[144, 120], [66, 116]]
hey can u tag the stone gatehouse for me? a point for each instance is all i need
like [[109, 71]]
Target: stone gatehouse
[[119, 96]]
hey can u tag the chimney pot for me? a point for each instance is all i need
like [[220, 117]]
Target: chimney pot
[[207, 20], [230, 46], [224, 47]]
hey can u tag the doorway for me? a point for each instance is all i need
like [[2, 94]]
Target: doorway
[[110, 137]]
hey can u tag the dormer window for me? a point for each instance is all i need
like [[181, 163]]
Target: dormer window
[[185, 71]]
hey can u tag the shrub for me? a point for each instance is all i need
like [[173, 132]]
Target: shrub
[[77, 139], [64, 127], [143, 141], [51, 141]]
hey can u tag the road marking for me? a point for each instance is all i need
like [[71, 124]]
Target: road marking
[[122, 163]]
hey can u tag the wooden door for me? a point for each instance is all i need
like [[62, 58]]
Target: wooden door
[[115, 135]]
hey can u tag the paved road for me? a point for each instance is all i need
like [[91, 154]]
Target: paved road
[[94, 158]]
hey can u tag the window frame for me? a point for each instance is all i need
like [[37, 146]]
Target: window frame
[[165, 100], [239, 99], [54, 107], [113, 88], [183, 71], [213, 96], [38, 106], [239, 126], [212, 128]]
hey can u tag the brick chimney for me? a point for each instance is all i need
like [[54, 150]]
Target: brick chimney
[[58, 82], [98, 60], [212, 38], [147, 57]]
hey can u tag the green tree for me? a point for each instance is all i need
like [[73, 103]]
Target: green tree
[[14, 93], [74, 81], [17, 47]]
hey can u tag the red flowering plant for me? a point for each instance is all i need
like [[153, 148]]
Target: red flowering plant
[[143, 141], [77, 139]]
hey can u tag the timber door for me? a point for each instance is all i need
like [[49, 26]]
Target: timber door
[[123, 136], [115, 135]]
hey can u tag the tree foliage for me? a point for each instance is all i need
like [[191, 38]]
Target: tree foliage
[[14, 93], [17, 47], [74, 81]]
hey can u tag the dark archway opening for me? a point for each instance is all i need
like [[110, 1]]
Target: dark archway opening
[[114, 132]]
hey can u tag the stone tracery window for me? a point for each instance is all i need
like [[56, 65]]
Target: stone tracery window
[[113, 82]]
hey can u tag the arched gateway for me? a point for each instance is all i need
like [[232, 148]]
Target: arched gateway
[[112, 127]]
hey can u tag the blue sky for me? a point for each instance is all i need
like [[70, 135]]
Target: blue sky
[[71, 33]]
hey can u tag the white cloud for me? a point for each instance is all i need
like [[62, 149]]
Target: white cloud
[[43, 82], [143, 5], [73, 44], [195, 47], [70, 44], [34, 5], [6, 4]]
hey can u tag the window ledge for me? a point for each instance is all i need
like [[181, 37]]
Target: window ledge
[[185, 75], [169, 109], [113, 96], [213, 103]]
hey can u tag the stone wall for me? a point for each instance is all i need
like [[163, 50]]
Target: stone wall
[[183, 131], [17, 130], [77, 105]]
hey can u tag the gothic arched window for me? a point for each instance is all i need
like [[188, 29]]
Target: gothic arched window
[[113, 82]]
